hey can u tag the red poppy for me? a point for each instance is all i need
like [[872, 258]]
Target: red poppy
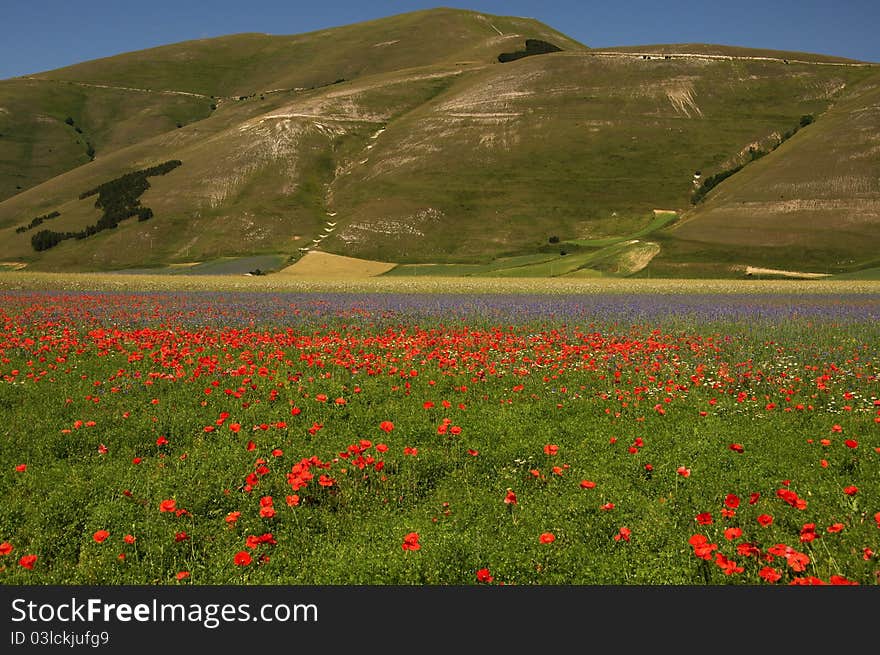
[[551, 449], [510, 498], [732, 501], [5, 548], [472, 452], [770, 574], [182, 575], [753, 498], [705, 518], [232, 517], [683, 471], [28, 561], [381, 447], [292, 500], [727, 566], [607, 506], [851, 443], [547, 538], [242, 558], [411, 541], [169, 505], [840, 580], [851, 490], [100, 536], [483, 575], [732, 533], [588, 484], [835, 527], [808, 532], [747, 550], [797, 561], [129, 538], [21, 468], [702, 548], [765, 520], [180, 536], [736, 447], [623, 533], [386, 426], [698, 539], [810, 580]]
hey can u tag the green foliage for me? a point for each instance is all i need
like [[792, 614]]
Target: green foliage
[[119, 198], [45, 239], [755, 153], [37, 221], [712, 181]]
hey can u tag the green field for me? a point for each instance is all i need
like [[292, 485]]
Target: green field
[[175, 429]]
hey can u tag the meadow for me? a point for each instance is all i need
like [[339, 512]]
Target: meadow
[[668, 436]]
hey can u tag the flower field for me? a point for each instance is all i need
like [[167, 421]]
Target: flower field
[[482, 439]]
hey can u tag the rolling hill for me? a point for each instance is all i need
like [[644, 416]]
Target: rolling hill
[[444, 141]]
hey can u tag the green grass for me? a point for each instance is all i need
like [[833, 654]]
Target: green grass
[[865, 274], [662, 219]]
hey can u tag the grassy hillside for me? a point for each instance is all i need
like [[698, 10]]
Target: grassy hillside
[[127, 98], [406, 140], [570, 145], [48, 128], [244, 64], [813, 204]]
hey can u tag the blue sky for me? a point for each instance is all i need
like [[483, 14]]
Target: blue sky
[[40, 35]]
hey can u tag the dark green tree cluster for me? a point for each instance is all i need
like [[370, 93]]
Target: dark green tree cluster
[[533, 47], [754, 153], [712, 181], [45, 239], [119, 198], [90, 149], [37, 221]]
